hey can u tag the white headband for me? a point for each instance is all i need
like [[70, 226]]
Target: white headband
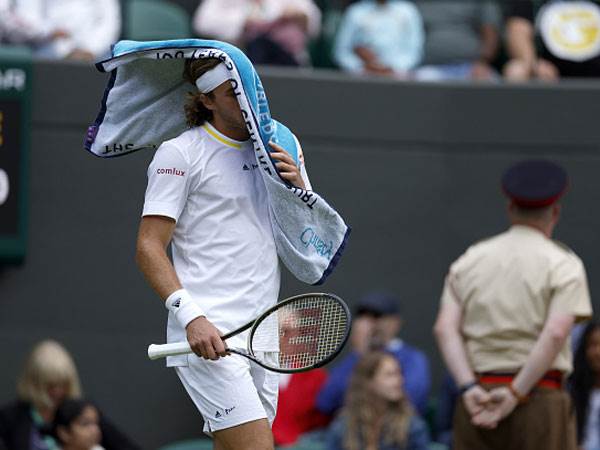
[[213, 78]]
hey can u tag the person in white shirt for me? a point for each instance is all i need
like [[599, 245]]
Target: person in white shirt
[[271, 31], [59, 29], [206, 197]]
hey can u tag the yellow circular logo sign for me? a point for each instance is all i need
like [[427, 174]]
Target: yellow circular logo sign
[[571, 30]]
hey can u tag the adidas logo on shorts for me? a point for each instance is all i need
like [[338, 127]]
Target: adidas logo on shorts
[[217, 415]]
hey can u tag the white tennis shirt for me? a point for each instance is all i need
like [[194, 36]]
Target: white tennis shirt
[[222, 247]]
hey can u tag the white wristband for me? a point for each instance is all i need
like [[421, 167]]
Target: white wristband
[[180, 303]]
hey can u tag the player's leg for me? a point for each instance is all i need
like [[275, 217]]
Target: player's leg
[[226, 396], [255, 435]]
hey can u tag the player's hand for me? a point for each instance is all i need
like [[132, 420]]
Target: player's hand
[[502, 403], [287, 168], [475, 400], [204, 339]]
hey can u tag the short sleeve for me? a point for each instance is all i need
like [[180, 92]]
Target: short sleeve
[[570, 294], [449, 292], [168, 183]]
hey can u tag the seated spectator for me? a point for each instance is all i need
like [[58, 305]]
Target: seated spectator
[[461, 39], [296, 411], [383, 37], [585, 387], [568, 34], [376, 324], [73, 29], [76, 426], [376, 413], [49, 378], [271, 31]]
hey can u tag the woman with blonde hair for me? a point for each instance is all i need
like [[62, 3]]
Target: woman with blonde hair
[[49, 377], [377, 414]]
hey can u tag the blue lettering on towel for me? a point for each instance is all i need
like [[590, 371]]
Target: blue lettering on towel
[[310, 237]]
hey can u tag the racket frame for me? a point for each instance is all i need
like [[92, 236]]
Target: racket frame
[[255, 323]]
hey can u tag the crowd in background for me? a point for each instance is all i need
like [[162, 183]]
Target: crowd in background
[[407, 39], [380, 376]]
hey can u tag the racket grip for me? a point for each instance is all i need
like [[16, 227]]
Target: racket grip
[[156, 351]]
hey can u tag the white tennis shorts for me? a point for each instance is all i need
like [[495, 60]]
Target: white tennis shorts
[[232, 390]]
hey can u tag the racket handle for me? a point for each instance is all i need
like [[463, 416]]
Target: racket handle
[[156, 351]]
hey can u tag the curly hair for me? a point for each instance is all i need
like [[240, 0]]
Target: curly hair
[[360, 412], [195, 111]]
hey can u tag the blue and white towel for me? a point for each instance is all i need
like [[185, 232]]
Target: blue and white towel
[[143, 107]]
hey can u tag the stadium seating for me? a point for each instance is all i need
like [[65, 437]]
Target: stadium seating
[[147, 20]]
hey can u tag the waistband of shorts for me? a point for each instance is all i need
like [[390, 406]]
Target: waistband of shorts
[[553, 379]]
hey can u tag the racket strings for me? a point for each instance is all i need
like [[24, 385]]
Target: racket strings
[[311, 329]]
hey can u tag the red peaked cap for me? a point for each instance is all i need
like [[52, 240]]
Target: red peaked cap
[[535, 183]]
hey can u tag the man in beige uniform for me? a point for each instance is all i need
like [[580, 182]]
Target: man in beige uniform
[[504, 323]]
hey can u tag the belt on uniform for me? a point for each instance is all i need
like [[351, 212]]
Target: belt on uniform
[[552, 379]]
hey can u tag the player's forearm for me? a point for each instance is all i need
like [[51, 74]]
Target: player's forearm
[[520, 40], [454, 354], [153, 262], [544, 352]]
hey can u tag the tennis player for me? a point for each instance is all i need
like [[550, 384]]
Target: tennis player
[[206, 197]]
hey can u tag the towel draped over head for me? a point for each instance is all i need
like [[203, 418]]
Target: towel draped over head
[[143, 107]]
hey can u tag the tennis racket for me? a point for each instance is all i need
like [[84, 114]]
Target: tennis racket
[[312, 328]]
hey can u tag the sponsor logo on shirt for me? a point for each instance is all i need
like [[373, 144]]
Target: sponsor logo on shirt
[[250, 166], [310, 238], [172, 171]]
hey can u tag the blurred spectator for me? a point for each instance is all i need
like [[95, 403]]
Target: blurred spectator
[[376, 413], [568, 34], [57, 29], [461, 39], [271, 31], [585, 387], [382, 37], [376, 324], [49, 377], [296, 411], [76, 426]]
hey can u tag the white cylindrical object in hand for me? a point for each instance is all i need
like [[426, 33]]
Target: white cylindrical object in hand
[[156, 351]]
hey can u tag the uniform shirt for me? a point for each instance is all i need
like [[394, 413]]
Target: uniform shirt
[[507, 286], [569, 38], [393, 31], [223, 249]]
